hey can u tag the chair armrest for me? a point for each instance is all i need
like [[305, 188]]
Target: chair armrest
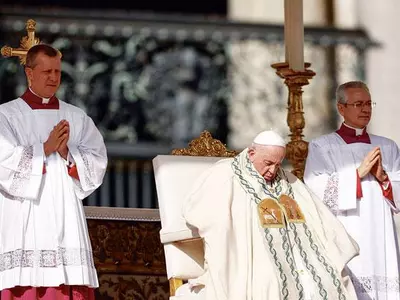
[[171, 236], [188, 240]]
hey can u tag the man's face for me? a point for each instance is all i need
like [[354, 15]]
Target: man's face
[[357, 117], [44, 78], [267, 160]]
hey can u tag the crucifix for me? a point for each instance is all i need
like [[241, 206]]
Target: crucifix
[[25, 44]]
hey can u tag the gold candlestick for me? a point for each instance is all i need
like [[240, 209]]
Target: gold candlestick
[[297, 148]]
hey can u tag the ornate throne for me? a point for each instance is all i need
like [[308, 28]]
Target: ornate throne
[[174, 175]]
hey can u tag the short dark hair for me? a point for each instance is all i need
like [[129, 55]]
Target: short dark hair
[[35, 50]]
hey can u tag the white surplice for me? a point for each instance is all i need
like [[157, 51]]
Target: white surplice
[[245, 261], [43, 232], [331, 173]]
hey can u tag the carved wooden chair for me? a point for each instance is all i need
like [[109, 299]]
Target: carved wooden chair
[[174, 175]]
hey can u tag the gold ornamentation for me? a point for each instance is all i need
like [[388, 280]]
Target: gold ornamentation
[[205, 145], [292, 210], [271, 214], [26, 43], [129, 259], [274, 214], [137, 287], [6, 51], [127, 247], [174, 284], [297, 148]]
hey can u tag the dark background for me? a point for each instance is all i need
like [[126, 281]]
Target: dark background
[[204, 7]]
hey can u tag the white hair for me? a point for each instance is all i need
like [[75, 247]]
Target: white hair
[[341, 90]]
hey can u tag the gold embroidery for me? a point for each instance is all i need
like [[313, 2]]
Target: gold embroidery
[[271, 214], [292, 209]]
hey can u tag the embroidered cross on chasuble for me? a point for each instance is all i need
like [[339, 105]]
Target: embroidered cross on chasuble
[[276, 214]]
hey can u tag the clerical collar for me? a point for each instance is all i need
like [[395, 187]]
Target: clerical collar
[[44, 100], [359, 131], [37, 102], [353, 135]]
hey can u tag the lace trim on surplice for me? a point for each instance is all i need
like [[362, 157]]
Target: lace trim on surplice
[[367, 284], [45, 258], [331, 193], [23, 173], [89, 172]]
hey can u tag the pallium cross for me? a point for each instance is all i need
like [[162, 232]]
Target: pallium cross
[[25, 44]]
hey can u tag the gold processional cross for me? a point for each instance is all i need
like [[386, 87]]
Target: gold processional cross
[[25, 44]]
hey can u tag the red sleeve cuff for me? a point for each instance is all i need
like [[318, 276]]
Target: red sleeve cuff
[[73, 172], [359, 192], [388, 193]]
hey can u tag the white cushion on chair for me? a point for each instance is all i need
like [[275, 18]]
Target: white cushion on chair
[[174, 176]]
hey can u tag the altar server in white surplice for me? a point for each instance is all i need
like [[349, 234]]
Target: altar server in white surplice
[[357, 175], [51, 157], [266, 236]]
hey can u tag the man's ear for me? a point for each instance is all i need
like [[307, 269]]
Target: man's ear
[[251, 152], [340, 108], [29, 75]]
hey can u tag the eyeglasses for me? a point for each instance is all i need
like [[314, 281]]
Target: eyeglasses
[[361, 104]]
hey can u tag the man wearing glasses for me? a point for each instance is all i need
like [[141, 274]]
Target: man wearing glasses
[[357, 175]]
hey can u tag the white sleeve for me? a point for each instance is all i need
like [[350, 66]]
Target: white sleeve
[[394, 175], [90, 158], [337, 189], [21, 166], [208, 209], [316, 175]]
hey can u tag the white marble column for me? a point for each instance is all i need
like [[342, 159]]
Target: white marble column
[[271, 11], [346, 16], [383, 64]]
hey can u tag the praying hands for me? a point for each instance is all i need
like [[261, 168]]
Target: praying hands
[[372, 163], [58, 139]]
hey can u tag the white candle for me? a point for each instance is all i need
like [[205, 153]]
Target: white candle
[[286, 27], [295, 34]]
